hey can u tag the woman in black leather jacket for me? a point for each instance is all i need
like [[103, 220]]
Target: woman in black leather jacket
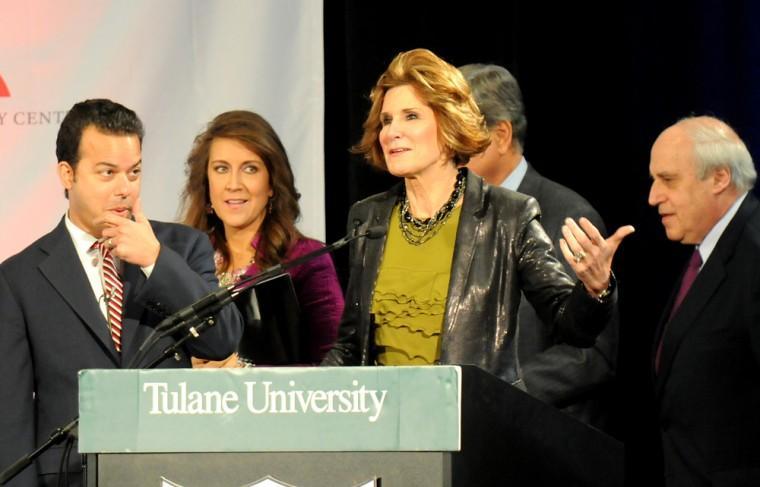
[[443, 285]]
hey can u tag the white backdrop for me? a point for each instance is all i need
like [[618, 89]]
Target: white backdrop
[[177, 63]]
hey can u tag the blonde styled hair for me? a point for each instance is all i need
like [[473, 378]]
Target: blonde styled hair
[[462, 129]]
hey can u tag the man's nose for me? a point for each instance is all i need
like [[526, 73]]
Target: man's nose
[[124, 187], [655, 195]]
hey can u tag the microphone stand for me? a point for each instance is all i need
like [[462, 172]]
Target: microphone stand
[[279, 269], [217, 299], [190, 316], [195, 318], [56, 437]]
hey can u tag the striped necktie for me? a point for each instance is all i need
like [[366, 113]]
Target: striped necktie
[[113, 291]]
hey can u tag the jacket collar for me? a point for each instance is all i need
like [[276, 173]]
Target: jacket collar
[[531, 182]]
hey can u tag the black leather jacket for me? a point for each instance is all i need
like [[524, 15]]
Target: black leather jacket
[[500, 249]]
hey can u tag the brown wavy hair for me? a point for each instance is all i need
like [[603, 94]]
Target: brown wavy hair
[[278, 230], [461, 127]]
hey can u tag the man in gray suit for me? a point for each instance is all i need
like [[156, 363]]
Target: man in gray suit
[[575, 380]]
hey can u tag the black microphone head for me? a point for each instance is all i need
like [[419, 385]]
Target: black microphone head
[[376, 231]]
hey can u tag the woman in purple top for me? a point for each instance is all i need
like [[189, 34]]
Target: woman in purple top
[[240, 190]]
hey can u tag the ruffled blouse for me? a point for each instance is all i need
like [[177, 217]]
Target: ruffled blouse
[[410, 295]]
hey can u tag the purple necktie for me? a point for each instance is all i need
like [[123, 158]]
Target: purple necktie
[[686, 281]]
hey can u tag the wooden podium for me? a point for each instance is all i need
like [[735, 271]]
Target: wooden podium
[[348, 426]]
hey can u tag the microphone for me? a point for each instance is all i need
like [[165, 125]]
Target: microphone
[[373, 232], [199, 311], [194, 318], [204, 307]]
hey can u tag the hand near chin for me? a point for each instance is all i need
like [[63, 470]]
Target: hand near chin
[[130, 241]]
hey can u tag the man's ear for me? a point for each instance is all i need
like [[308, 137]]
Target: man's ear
[[721, 179], [501, 136], [66, 174]]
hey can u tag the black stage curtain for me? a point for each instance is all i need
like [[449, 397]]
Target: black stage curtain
[[599, 82]]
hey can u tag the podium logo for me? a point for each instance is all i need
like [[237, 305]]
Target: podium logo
[[270, 481], [3, 87]]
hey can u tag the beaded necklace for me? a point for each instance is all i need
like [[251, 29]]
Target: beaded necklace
[[416, 231]]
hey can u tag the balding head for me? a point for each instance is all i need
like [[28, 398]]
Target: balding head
[[715, 145]]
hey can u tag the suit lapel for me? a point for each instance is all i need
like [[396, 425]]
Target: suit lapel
[[133, 279], [63, 270], [708, 281], [662, 324]]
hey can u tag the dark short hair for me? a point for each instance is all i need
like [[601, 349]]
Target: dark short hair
[[105, 115]]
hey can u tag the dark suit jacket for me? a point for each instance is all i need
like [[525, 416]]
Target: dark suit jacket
[[51, 327], [708, 385], [577, 380]]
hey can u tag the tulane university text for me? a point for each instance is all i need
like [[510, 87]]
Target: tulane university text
[[263, 398]]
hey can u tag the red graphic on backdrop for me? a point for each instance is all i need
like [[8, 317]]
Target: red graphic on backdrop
[[3, 88]]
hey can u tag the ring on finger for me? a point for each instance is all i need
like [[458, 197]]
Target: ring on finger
[[579, 256]]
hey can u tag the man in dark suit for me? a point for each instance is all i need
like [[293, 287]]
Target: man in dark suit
[[706, 356], [87, 294], [573, 379]]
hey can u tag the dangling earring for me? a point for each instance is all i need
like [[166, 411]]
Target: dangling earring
[[209, 209], [269, 206]]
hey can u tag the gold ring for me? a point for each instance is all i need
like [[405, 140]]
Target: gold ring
[[110, 243], [579, 256]]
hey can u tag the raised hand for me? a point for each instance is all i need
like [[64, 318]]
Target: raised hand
[[589, 254]]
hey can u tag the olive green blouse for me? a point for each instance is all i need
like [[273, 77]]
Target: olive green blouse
[[410, 294]]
